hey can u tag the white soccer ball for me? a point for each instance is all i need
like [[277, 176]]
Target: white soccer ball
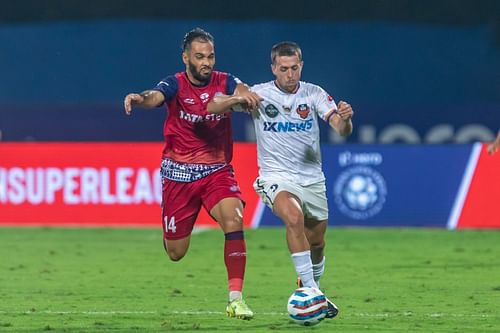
[[307, 306]]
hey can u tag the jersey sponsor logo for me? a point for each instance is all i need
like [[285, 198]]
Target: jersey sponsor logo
[[330, 98], [360, 192], [303, 110], [287, 108], [189, 101], [287, 126], [271, 111], [196, 118]]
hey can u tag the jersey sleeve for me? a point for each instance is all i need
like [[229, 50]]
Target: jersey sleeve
[[168, 87], [324, 104], [231, 83]]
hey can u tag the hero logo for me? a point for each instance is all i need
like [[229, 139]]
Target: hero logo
[[360, 192], [271, 126]]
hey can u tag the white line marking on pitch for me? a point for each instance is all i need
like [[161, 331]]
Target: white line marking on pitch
[[346, 315]]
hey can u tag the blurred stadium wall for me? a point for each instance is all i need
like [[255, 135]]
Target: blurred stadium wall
[[415, 71]]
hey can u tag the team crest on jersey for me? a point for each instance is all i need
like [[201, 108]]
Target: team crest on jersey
[[204, 97], [271, 111], [303, 110]]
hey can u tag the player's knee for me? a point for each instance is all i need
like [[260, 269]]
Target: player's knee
[[294, 221], [317, 245], [236, 221], [295, 227], [175, 255], [232, 223]]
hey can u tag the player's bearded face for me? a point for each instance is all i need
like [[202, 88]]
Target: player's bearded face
[[201, 73], [200, 61], [287, 70]]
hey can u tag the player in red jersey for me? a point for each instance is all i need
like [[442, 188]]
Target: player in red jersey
[[196, 169]]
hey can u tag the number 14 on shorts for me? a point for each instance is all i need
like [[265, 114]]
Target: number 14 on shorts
[[169, 224]]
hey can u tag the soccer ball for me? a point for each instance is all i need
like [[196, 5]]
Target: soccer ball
[[307, 306]]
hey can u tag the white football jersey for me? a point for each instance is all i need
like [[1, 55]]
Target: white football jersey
[[286, 127]]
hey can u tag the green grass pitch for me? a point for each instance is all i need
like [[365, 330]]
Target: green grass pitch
[[120, 280]]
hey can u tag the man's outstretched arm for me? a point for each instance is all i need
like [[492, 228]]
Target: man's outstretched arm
[[147, 99]]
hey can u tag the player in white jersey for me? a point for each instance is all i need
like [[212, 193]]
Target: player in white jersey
[[291, 181], [285, 118]]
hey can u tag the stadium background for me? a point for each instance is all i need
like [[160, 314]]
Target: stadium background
[[424, 73]]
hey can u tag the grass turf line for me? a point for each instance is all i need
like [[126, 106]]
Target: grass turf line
[[120, 280]]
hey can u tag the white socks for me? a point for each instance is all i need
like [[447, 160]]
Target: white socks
[[304, 268], [234, 295], [318, 270]]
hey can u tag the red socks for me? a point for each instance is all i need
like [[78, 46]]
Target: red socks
[[235, 258]]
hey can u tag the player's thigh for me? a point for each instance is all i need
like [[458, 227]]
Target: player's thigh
[[268, 189], [316, 213], [181, 203], [287, 207], [314, 202], [222, 199]]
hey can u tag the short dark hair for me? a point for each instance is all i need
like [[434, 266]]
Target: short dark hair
[[285, 49], [195, 34]]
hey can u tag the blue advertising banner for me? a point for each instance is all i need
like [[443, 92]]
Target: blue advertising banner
[[390, 185]]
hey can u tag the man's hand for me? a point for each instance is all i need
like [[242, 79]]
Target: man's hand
[[243, 100], [344, 110], [130, 100], [341, 119], [249, 100]]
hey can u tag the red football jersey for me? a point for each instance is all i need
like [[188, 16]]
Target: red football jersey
[[192, 135]]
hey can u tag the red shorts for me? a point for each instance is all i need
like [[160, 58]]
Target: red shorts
[[181, 202]]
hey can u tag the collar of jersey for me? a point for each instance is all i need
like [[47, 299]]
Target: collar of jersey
[[284, 91]]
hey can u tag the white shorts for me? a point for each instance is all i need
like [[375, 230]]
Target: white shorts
[[312, 197]]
